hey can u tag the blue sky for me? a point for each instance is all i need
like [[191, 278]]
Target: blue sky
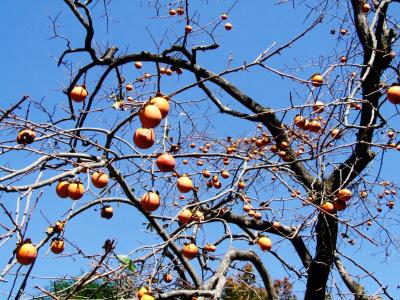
[[28, 57]]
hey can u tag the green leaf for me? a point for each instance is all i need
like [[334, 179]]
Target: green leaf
[[124, 259], [131, 267]]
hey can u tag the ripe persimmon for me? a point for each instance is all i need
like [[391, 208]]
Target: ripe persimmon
[[210, 248], [57, 246], [190, 251], [138, 65], [336, 133], [328, 207], [129, 87], [339, 205], [162, 104], [107, 212], [150, 201], [224, 16], [299, 121], [142, 291], [62, 189], [185, 216], [318, 107], [344, 194], [165, 162], [150, 116], [365, 8], [393, 94], [144, 138], [317, 80], [180, 11], [76, 190], [265, 243], [78, 93], [188, 28], [99, 179], [168, 277], [228, 26], [26, 253], [184, 184]]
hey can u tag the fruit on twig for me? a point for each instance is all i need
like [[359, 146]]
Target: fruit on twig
[[162, 104], [57, 246], [365, 8], [142, 291], [339, 205], [393, 94], [76, 190], [99, 179], [188, 28], [144, 138], [26, 253], [107, 212], [317, 80], [344, 194], [168, 277], [62, 189], [228, 26], [150, 201], [165, 162], [210, 248], [150, 116], [184, 184], [185, 216], [190, 251], [78, 93], [265, 243], [26, 136], [328, 207]]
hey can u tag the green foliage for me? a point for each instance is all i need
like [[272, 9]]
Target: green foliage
[[245, 287], [98, 289]]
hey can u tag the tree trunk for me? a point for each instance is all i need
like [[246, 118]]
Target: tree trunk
[[320, 268]]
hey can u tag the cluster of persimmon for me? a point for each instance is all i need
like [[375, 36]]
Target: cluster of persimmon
[[339, 204], [150, 116]]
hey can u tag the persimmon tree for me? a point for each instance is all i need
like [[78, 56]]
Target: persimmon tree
[[146, 131]]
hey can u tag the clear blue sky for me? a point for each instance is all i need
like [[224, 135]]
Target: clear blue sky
[[29, 66]]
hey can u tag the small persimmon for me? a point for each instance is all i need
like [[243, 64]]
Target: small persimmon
[[168, 278], [100, 180], [185, 216], [150, 201], [210, 248], [328, 207], [228, 26], [78, 93], [57, 246], [317, 80], [26, 253], [107, 212], [265, 243], [393, 94], [144, 138], [150, 116], [162, 104], [76, 190], [26, 136], [165, 162], [62, 189], [344, 194], [184, 184], [190, 251]]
